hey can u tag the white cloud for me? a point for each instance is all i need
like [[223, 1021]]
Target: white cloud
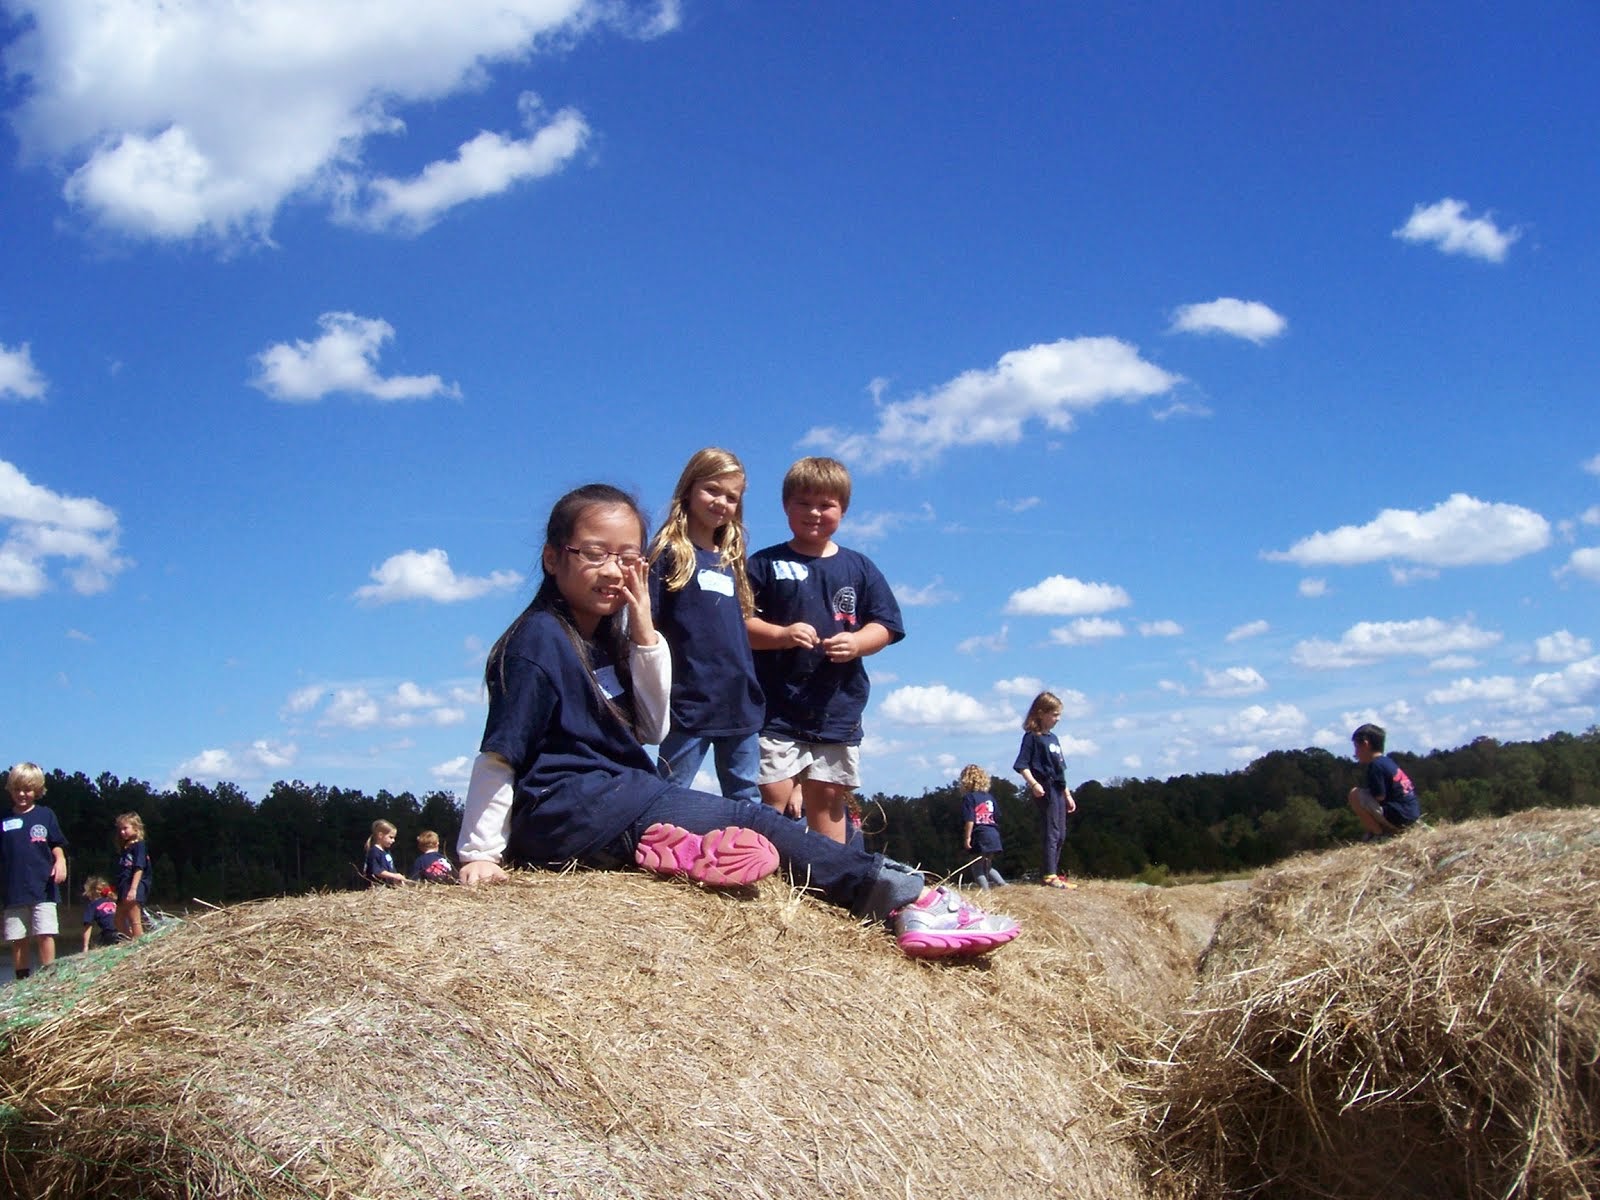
[[1496, 689], [37, 525], [426, 575], [18, 376], [452, 772], [351, 708], [1405, 576], [1447, 226], [408, 705], [939, 705], [272, 755], [984, 643], [1249, 629], [1019, 506], [1585, 562], [1462, 531], [1576, 683], [1591, 465], [343, 359], [1453, 662], [1050, 383], [1024, 687], [1087, 629], [1374, 641], [1162, 628], [1257, 724], [1590, 515], [1060, 596], [201, 120], [1313, 588], [1562, 646], [1233, 681], [487, 165], [1248, 319], [210, 765], [926, 596]]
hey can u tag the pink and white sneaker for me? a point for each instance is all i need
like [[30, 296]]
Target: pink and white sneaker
[[730, 857], [943, 925]]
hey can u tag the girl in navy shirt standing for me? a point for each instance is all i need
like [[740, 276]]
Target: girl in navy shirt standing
[[577, 685], [700, 597], [1044, 768], [133, 875]]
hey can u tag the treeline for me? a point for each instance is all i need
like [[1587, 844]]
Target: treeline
[[216, 844]]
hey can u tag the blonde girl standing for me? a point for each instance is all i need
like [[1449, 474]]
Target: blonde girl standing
[[701, 597], [1044, 768], [133, 875]]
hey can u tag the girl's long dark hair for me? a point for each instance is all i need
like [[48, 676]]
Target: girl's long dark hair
[[612, 631]]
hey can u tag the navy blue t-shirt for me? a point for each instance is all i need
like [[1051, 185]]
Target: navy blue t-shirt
[[582, 777], [102, 912], [378, 860], [133, 858], [978, 807], [1040, 754], [1392, 788], [714, 689], [809, 698], [433, 867], [26, 840]]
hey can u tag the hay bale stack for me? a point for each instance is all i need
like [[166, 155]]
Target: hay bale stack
[[587, 1034], [1415, 1018]]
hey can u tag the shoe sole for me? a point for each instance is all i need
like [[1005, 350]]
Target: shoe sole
[[952, 945], [731, 857]]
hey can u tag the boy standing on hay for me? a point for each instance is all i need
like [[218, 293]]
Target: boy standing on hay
[[34, 864], [1386, 801]]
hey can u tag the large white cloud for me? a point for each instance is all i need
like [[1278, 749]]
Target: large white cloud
[[38, 525], [200, 119], [1447, 226], [1373, 641], [343, 359], [1562, 646], [1585, 563], [1461, 531], [938, 705], [1049, 383], [427, 575], [18, 376], [1248, 319], [1063, 596]]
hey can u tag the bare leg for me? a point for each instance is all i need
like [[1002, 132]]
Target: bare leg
[[784, 796], [825, 807], [45, 948]]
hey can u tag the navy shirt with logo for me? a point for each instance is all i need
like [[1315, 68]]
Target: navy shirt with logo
[[1392, 788], [26, 861], [1040, 755], [809, 698], [978, 807], [714, 689]]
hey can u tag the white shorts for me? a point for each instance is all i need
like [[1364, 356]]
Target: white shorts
[[826, 762], [30, 920]]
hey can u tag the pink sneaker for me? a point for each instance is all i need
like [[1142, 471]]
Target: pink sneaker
[[943, 925], [730, 857]]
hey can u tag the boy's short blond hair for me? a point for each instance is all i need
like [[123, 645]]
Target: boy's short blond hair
[[25, 775], [820, 476], [974, 778], [427, 840]]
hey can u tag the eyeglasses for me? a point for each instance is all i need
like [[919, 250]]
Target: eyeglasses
[[599, 556]]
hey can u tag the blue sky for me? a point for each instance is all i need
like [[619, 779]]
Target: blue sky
[[1227, 369]]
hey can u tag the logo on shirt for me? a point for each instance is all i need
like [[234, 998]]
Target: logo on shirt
[[983, 813], [715, 581], [1406, 786], [38, 833], [798, 572], [844, 605]]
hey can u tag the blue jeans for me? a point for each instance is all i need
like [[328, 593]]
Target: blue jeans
[[869, 885], [737, 758]]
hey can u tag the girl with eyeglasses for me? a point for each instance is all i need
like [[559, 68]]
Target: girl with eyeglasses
[[578, 685]]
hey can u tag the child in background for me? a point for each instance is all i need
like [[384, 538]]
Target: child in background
[[1386, 801], [980, 835], [820, 609], [577, 685], [431, 866], [33, 862], [99, 912], [133, 875], [700, 597], [379, 869], [1044, 768]]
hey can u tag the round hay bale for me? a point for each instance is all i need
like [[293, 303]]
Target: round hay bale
[[587, 1034], [1412, 1018]]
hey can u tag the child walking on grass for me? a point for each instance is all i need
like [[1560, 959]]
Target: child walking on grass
[[578, 685], [700, 597], [133, 875], [980, 834]]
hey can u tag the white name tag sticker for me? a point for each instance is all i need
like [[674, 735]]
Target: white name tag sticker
[[12, 823], [609, 683], [716, 581]]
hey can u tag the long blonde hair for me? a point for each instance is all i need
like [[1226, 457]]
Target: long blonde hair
[[673, 536]]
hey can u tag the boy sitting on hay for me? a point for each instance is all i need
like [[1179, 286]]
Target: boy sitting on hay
[[1386, 801]]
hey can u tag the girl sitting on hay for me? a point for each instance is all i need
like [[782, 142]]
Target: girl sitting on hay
[[577, 685]]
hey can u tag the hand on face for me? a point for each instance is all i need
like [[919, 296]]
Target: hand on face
[[636, 587]]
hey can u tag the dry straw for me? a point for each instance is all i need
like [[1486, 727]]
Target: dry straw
[[1417, 1018], [591, 1034]]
